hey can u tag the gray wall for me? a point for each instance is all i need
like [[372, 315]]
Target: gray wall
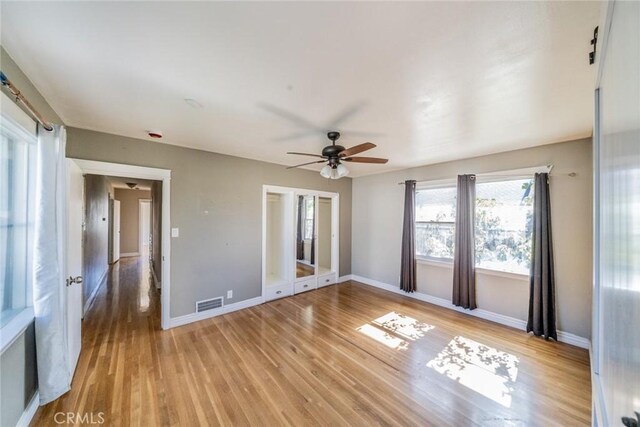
[[216, 202], [130, 218], [96, 235], [378, 207], [18, 363]]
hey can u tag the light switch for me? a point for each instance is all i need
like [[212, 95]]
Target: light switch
[[175, 232]]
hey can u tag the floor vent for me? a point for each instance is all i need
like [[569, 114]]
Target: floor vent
[[209, 304]]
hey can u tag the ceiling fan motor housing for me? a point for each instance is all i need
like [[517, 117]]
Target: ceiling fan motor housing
[[332, 151]]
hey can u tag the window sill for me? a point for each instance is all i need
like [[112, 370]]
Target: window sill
[[16, 326], [481, 270]]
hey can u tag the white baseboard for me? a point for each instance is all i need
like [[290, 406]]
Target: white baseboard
[[29, 411], [195, 317], [565, 337], [129, 254], [346, 278], [94, 293]]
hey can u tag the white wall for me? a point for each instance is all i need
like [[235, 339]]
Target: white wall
[[377, 208]]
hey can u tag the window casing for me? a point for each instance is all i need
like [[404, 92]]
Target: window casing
[[17, 202]]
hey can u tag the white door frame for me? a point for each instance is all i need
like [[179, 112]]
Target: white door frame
[[597, 396], [140, 239], [141, 172]]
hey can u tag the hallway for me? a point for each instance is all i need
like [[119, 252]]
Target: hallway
[[344, 354]]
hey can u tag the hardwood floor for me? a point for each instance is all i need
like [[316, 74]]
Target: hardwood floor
[[346, 354]]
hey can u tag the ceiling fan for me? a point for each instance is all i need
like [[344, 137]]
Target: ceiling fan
[[334, 155]]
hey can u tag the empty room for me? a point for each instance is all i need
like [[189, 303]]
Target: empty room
[[320, 213]]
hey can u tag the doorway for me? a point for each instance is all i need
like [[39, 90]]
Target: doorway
[[144, 225]]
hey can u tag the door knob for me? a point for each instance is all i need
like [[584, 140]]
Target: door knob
[[71, 280]]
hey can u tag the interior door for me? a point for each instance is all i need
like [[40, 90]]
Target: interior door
[[116, 230], [75, 203], [617, 227]]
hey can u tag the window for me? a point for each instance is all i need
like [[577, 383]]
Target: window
[[308, 217], [504, 223], [17, 175], [435, 222]]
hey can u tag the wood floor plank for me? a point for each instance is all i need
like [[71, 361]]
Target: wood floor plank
[[346, 354]]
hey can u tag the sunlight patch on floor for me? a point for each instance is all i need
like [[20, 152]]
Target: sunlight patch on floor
[[394, 329], [383, 337], [405, 326], [485, 370]]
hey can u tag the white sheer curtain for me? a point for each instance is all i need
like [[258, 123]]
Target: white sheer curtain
[[49, 293]]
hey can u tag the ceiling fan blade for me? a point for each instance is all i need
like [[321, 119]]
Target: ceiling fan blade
[[306, 154], [366, 160], [305, 164], [357, 149]]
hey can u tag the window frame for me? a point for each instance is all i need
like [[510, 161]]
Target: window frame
[[436, 185], [499, 176], [21, 123]]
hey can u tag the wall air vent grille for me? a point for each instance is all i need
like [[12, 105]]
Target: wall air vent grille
[[209, 304]]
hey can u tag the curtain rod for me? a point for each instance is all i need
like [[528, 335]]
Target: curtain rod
[[496, 174], [20, 97]]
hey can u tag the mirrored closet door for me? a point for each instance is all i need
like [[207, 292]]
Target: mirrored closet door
[[305, 236], [300, 240]]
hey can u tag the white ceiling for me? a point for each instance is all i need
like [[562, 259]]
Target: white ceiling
[[426, 82]]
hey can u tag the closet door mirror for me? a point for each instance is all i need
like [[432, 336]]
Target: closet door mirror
[[306, 213], [325, 234]]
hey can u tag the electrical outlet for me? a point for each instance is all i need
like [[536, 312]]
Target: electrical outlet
[[175, 232], [229, 294]]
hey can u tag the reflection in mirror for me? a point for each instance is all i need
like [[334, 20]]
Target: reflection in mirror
[[305, 237], [324, 235]]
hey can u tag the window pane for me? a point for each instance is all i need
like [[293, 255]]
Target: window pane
[[16, 218], [504, 220], [435, 222]]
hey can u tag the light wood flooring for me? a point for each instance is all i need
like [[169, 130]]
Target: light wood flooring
[[346, 354]]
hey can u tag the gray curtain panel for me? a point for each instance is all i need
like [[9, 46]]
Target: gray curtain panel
[[299, 240], [408, 257], [542, 309], [464, 258]]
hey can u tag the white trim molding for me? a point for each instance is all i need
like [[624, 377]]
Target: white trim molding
[[195, 317], [345, 278], [15, 328], [520, 324], [29, 411]]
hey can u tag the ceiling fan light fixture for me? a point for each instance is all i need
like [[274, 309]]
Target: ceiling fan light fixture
[[342, 170], [334, 173], [326, 171]]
